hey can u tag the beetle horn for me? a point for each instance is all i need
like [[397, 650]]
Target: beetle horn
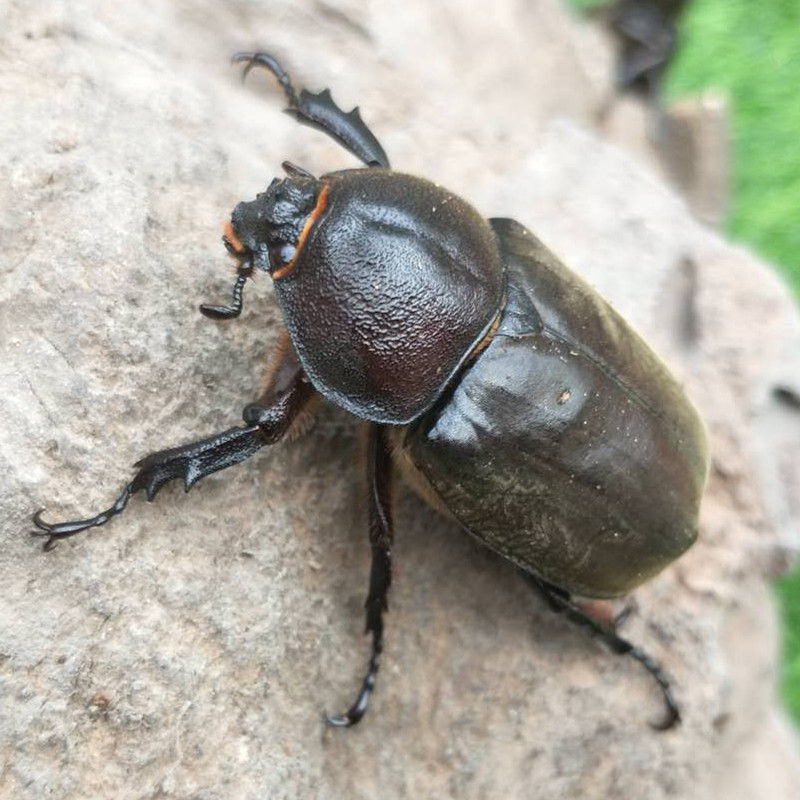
[[235, 308]]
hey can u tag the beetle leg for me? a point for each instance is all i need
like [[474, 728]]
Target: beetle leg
[[619, 619], [265, 423], [604, 612], [320, 112], [381, 536], [559, 600]]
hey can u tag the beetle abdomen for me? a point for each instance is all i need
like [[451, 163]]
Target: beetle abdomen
[[395, 284], [567, 446]]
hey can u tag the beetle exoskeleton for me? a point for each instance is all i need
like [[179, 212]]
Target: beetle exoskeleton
[[509, 394]]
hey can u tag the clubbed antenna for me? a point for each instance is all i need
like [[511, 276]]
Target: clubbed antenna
[[235, 308]]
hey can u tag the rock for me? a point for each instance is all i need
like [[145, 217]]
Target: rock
[[188, 649], [696, 154]]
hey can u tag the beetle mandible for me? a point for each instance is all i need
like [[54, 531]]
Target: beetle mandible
[[508, 393]]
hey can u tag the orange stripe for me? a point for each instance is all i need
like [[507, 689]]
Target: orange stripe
[[231, 236], [322, 203], [487, 340]]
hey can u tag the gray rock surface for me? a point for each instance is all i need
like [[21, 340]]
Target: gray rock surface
[[188, 649]]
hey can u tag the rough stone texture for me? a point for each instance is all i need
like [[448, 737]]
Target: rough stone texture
[[187, 650], [696, 154]]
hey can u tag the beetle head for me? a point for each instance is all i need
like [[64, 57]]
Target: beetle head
[[267, 231]]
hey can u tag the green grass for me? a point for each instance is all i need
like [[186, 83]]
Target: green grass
[[789, 596], [750, 49]]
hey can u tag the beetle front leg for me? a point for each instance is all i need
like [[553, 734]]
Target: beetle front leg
[[381, 536], [320, 112], [560, 601], [266, 422]]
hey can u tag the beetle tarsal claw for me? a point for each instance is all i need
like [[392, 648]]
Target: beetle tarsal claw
[[251, 60], [62, 530], [354, 714], [671, 718], [45, 529]]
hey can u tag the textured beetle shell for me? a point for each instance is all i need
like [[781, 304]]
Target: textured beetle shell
[[395, 284], [567, 446]]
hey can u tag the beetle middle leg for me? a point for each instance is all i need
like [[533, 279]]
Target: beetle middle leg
[[266, 422], [560, 601], [320, 112], [381, 536]]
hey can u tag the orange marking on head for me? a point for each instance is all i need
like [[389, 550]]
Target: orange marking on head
[[322, 202], [231, 236]]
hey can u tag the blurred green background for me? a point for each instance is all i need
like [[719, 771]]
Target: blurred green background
[[750, 49]]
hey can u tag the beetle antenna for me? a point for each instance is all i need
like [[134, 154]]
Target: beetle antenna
[[235, 308]]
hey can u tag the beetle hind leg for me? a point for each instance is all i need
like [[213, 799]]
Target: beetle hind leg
[[560, 601], [381, 536], [319, 111], [601, 611]]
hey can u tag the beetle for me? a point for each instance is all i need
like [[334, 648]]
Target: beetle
[[507, 392]]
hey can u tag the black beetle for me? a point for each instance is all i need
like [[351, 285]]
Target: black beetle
[[505, 390]]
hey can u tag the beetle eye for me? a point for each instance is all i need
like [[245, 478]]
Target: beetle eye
[[281, 254]]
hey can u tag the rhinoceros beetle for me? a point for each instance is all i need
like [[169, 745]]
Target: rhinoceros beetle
[[506, 391]]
